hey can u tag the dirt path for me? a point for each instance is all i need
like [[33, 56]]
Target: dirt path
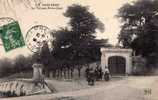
[[131, 88]]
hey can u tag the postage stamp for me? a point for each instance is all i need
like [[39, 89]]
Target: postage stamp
[[11, 34], [36, 36]]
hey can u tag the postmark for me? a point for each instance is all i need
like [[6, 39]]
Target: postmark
[[36, 36], [10, 33]]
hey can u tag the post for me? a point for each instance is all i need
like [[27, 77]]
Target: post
[[37, 72]]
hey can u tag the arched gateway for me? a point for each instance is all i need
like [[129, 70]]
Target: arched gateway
[[118, 61]]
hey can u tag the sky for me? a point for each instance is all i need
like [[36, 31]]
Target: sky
[[105, 10]]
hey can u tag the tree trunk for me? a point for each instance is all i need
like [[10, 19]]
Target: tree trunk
[[61, 71], [58, 73], [68, 72], [79, 71], [72, 70], [54, 73], [64, 73]]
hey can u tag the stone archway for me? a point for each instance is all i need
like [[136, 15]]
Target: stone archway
[[125, 56], [117, 65]]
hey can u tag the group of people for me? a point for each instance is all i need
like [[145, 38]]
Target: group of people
[[96, 74]]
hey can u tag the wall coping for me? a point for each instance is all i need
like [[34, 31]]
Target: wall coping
[[115, 50]]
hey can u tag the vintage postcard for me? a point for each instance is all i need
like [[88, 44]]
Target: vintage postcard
[[78, 49]]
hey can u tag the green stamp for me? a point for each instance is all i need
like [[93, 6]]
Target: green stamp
[[11, 36]]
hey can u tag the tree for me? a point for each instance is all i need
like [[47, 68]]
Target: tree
[[140, 27], [79, 42], [83, 26], [6, 67], [82, 45], [78, 45], [83, 22], [22, 64]]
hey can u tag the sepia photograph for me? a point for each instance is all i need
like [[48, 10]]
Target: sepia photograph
[[78, 50]]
